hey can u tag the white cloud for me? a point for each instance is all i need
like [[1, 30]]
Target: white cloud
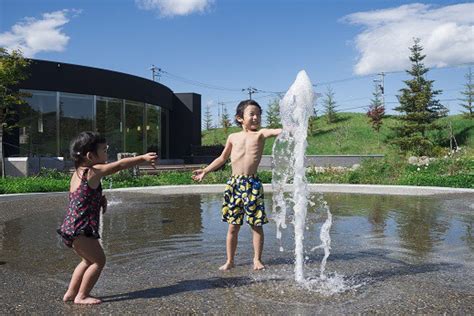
[[32, 35], [174, 7], [446, 34]]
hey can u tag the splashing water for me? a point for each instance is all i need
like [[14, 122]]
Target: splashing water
[[101, 225], [101, 219], [112, 201], [288, 163], [325, 239]]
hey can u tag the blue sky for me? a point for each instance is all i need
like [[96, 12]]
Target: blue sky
[[234, 44]]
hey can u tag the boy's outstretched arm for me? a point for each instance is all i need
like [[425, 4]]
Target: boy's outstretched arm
[[106, 169], [199, 174], [270, 132]]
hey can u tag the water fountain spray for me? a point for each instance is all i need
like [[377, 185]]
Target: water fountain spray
[[289, 155]]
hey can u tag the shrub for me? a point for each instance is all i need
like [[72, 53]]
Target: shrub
[[53, 174]]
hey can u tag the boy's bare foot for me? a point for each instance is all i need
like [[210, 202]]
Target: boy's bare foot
[[258, 265], [69, 296], [227, 266], [88, 300]]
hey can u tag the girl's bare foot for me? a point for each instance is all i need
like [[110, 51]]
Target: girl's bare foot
[[227, 266], [88, 300], [258, 265], [69, 296]]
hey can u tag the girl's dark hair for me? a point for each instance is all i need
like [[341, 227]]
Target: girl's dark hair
[[83, 143], [239, 112]]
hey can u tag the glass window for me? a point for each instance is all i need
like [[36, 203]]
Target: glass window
[[109, 118], [134, 117], [37, 122], [153, 128], [76, 115], [165, 133]]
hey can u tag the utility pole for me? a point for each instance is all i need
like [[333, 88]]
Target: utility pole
[[155, 73], [250, 91], [220, 109], [382, 87]]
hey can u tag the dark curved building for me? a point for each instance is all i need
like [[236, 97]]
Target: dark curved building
[[134, 114]]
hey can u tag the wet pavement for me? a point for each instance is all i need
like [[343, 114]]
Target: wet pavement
[[392, 254]]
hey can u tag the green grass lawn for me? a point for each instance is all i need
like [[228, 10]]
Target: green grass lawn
[[455, 171], [352, 134]]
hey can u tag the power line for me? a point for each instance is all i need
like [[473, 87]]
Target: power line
[[385, 73], [158, 72], [258, 97], [250, 91], [265, 96], [342, 80], [198, 83], [278, 93], [355, 99]]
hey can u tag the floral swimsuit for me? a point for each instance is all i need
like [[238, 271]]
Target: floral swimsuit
[[82, 217]]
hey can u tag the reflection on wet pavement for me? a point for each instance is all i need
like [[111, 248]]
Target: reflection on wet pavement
[[396, 254]]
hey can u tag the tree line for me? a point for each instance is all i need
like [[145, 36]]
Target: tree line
[[419, 109]]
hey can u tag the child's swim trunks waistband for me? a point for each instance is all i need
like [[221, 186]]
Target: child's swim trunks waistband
[[244, 176]]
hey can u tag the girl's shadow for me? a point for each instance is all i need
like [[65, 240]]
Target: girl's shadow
[[180, 287]]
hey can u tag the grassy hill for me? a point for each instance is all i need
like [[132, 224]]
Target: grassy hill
[[352, 134]]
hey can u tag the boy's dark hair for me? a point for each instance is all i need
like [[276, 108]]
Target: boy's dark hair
[[83, 143], [239, 112]]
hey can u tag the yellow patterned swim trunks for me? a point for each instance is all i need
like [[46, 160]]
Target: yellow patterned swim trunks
[[244, 195]]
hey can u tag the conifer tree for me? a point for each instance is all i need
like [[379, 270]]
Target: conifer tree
[[208, 118], [225, 120], [376, 110], [273, 114], [418, 107], [329, 105], [312, 121], [468, 95]]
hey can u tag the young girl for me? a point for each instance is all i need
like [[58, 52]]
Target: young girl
[[80, 229]]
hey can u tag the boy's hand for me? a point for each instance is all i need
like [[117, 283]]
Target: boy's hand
[[103, 203], [198, 175], [151, 157]]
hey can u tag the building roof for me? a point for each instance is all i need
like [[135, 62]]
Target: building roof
[[64, 77]]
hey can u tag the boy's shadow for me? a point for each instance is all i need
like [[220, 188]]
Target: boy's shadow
[[180, 287]]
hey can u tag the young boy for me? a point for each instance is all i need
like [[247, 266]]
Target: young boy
[[244, 191]]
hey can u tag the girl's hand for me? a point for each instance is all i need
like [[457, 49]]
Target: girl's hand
[[198, 175], [151, 157], [103, 203]]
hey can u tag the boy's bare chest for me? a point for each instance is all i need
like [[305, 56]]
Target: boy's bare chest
[[249, 144]]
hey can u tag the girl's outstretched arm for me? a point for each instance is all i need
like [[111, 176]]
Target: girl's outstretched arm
[[199, 174], [106, 169]]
